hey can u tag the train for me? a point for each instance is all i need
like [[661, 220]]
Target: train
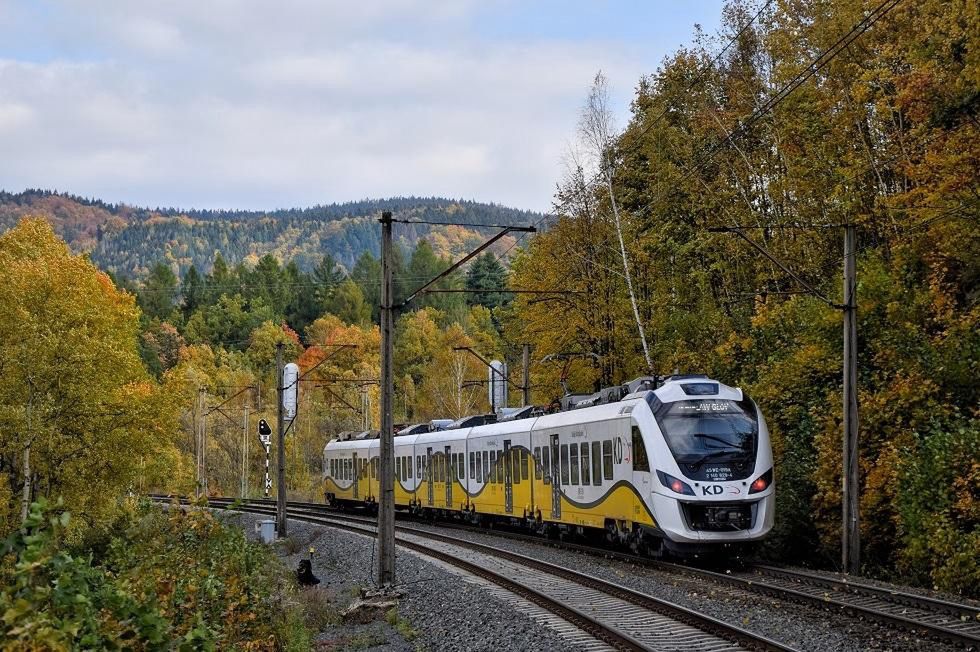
[[679, 465]]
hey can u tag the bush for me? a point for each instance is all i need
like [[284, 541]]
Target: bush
[[167, 580], [54, 600]]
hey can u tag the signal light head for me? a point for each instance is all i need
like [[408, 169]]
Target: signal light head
[[761, 483]]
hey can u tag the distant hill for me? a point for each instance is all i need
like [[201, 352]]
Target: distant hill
[[128, 240]]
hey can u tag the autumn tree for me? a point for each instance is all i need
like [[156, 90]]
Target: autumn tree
[[83, 418]]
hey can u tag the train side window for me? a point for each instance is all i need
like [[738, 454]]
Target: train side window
[[537, 462], [479, 468], [461, 466], [573, 463], [585, 463], [596, 463], [515, 466], [400, 469], [640, 460], [406, 468], [494, 468], [486, 466], [607, 459], [472, 465], [564, 464], [546, 463], [524, 465]]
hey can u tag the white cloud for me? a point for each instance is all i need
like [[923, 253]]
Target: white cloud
[[261, 104]]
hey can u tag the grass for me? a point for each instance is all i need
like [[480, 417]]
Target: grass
[[319, 612], [364, 641], [403, 627]]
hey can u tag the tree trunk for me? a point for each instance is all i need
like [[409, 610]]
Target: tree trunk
[[25, 501], [629, 277]]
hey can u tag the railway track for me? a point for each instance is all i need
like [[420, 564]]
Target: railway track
[[950, 622], [615, 615]]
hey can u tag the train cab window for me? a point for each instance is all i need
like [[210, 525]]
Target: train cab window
[[640, 460], [585, 463], [573, 463], [472, 465], [564, 464], [537, 462], [596, 463], [607, 459], [486, 466], [524, 464], [546, 463]]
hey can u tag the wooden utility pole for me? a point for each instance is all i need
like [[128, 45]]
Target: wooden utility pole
[[280, 449], [386, 509], [851, 536], [526, 378]]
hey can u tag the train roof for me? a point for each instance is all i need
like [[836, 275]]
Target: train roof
[[443, 435]]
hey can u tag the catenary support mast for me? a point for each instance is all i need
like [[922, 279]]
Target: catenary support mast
[[386, 509], [280, 449], [851, 544]]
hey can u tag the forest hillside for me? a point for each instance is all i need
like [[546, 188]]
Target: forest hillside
[[127, 241]]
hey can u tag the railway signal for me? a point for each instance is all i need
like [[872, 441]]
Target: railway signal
[[265, 436]]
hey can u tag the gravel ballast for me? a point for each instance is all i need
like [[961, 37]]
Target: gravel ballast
[[439, 611], [799, 626]]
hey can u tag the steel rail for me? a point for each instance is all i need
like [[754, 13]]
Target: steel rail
[[713, 628], [964, 631]]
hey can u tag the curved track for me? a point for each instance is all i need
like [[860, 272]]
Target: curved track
[[951, 622], [616, 615]]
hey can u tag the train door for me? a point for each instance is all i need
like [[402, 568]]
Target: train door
[[555, 479], [450, 476], [356, 475], [641, 463], [508, 479], [428, 474]]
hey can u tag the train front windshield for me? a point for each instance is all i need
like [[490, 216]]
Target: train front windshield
[[709, 430]]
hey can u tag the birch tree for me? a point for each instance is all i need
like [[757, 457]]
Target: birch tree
[[596, 130]]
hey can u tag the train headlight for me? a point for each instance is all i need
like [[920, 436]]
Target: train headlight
[[675, 485], [761, 483]]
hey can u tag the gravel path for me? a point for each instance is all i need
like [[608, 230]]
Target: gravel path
[[798, 626], [444, 611]]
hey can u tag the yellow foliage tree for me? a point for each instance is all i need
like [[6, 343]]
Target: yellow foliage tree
[[83, 419]]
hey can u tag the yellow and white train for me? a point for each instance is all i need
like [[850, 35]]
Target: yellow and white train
[[686, 466]]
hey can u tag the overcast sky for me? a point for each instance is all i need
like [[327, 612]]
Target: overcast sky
[[259, 104]]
